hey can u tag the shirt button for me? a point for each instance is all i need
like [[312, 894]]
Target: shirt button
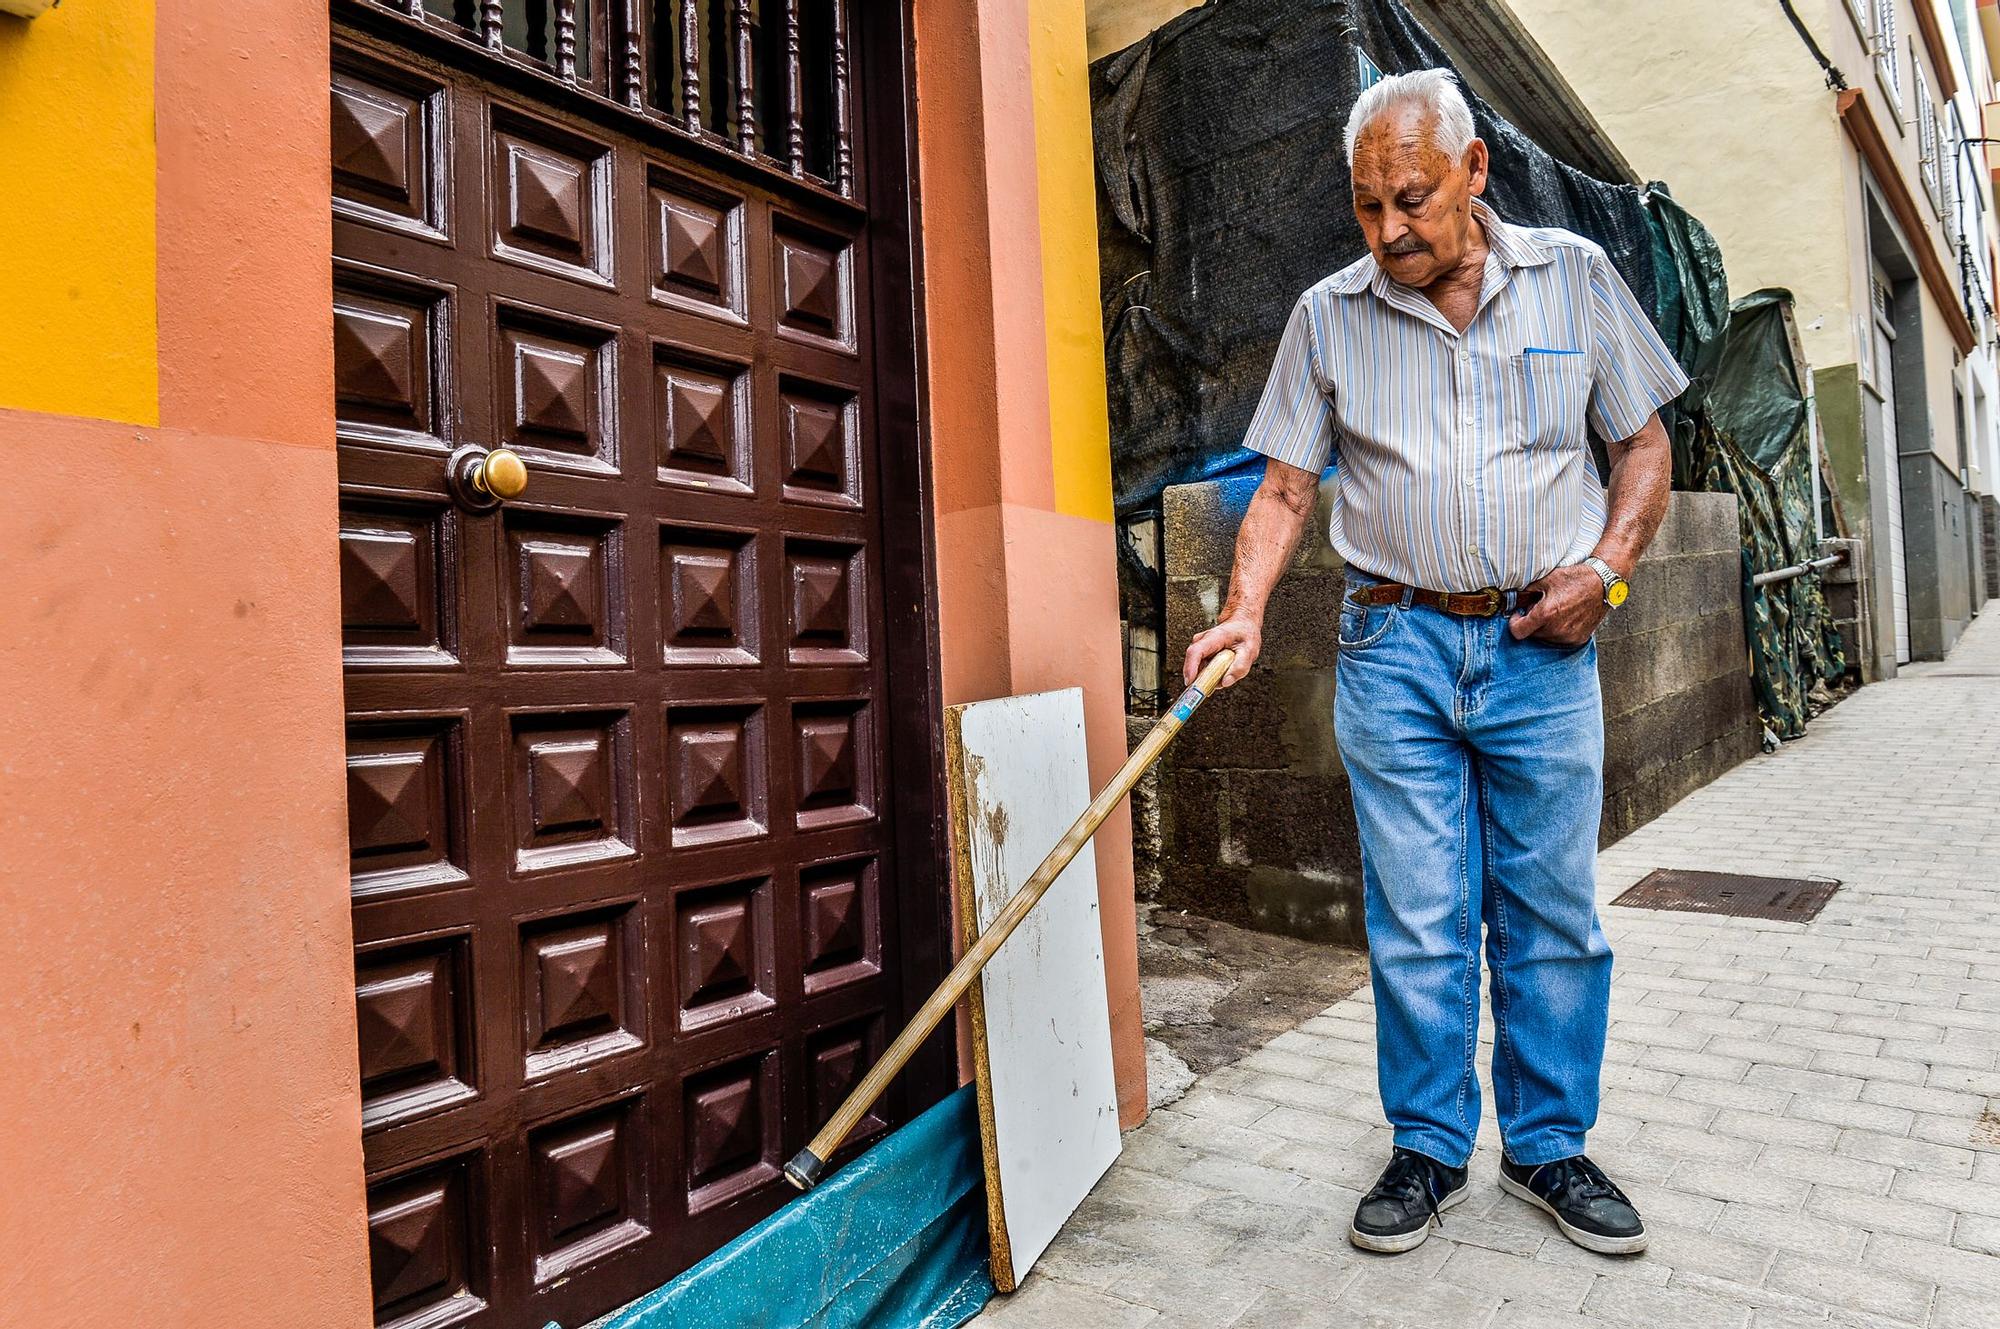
[[1472, 549]]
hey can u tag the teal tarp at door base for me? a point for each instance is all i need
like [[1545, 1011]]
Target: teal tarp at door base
[[896, 1239]]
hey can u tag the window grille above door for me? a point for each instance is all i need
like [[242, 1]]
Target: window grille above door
[[763, 80]]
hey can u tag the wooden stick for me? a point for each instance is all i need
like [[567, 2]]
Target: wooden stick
[[805, 1170]]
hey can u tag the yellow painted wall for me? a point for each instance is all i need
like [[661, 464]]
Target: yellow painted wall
[[77, 312], [1079, 430]]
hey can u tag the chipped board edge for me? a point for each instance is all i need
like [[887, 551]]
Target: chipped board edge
[[1002, 1253]]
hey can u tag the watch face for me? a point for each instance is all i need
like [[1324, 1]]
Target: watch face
[[1616, 593]]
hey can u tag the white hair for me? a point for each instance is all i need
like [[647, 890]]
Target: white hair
[[1435, 90]]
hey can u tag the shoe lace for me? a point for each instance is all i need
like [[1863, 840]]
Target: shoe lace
[[1409, 1176], [1578, 1180]]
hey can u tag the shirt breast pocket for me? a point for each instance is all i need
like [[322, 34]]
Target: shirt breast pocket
[[1551, 391]]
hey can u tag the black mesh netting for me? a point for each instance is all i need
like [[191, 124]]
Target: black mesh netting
[[1223, 194]]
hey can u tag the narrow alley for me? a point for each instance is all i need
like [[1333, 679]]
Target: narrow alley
[[1807, 1115]]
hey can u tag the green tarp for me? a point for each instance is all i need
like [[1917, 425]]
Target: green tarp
[[895, 1239], [1743, 427]]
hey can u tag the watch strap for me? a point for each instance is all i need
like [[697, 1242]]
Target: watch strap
[[1605, 573]]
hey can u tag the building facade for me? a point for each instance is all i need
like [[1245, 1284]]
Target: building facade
[[1825, 158], [438, 901]]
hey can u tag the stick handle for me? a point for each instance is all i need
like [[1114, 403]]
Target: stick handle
[[805, 1170]]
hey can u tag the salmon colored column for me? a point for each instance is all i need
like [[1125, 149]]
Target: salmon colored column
[[1028, 594], [179, 1080]]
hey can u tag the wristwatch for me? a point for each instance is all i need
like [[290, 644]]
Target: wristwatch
[[1616, 588]]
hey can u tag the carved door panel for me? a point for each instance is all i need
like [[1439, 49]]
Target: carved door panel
[[630, 896]]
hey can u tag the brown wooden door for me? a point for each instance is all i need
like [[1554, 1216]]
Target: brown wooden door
[[641, 825]]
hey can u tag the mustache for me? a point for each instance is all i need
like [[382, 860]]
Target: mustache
[[1409, 244]]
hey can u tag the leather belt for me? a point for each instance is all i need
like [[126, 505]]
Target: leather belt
[[1464, 604]]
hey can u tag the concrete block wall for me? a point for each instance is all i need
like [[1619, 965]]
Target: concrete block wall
[[1675, 668], [1251, 805], [1934, 549], [1989, 542]]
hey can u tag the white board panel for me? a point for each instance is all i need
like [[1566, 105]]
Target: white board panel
[[1041, 1019]]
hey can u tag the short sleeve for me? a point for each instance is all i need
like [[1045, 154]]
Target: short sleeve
[[1633, 373], [1294, 420]]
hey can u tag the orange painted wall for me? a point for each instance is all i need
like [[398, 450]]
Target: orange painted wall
[[183, 1125], [1028, 594]]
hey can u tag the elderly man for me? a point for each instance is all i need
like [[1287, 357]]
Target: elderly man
[[1450, 374]]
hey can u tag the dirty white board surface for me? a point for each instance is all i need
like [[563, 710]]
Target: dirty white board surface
[[1041, 1020]]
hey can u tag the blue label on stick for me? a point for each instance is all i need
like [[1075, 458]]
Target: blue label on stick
[[1185, 706]]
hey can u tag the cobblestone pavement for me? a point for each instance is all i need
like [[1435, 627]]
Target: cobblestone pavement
[[1807, 1115]]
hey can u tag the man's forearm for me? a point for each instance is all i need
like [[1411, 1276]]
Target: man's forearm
[[1267, 537], [1641, 478]]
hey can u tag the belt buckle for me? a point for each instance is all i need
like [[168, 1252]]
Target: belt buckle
[[1494, 598]]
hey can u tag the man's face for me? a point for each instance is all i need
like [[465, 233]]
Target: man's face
[[1413, 202]]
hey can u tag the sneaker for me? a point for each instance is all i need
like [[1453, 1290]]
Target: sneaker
[[1587, 1207], [1396, 1215]]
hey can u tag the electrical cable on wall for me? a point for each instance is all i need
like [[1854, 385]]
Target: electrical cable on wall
[[1835, 80]]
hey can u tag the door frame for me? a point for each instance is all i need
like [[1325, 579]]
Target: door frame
[[885, 39]]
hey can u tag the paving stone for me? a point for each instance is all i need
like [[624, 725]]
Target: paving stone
[[1806, 1082], [1691, 1251], [1975, 1196], [1622, 1301], [1782, 1229], [1874, 1067], [1688, 1142], [1517, 1277], [1766, 1129], [1977, 1232], [1879, 1213], [1479, 1230], [1144, 1192], [1826, 1169], [1044, 1303], [1220, 1173], [1528, 1315], [1215, 1105], [1747, 1096], [1722, 1182], [1881, 1117], [1850, 1285], [1086, 1260], [1380, 1286], [1278, 1308], [1179, 1288], [1902, 1152], [1957, 1309], [1245, 1215], [1924, 1099], [1952, 1267], [1293, 1268]]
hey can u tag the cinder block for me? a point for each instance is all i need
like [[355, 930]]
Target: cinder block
[[1192, 604], [1718, 584], [1199, 524], [1301, 623], [1710, 522]]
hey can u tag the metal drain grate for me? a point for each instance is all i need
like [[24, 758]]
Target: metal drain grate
[[1787, 899]]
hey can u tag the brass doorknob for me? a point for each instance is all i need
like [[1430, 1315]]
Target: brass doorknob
[[481, 480], [501, 473]]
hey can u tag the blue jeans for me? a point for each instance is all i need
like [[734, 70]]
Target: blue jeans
[[1477, 766]]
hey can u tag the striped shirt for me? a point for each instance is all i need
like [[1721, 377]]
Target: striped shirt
[[1461, 460]]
